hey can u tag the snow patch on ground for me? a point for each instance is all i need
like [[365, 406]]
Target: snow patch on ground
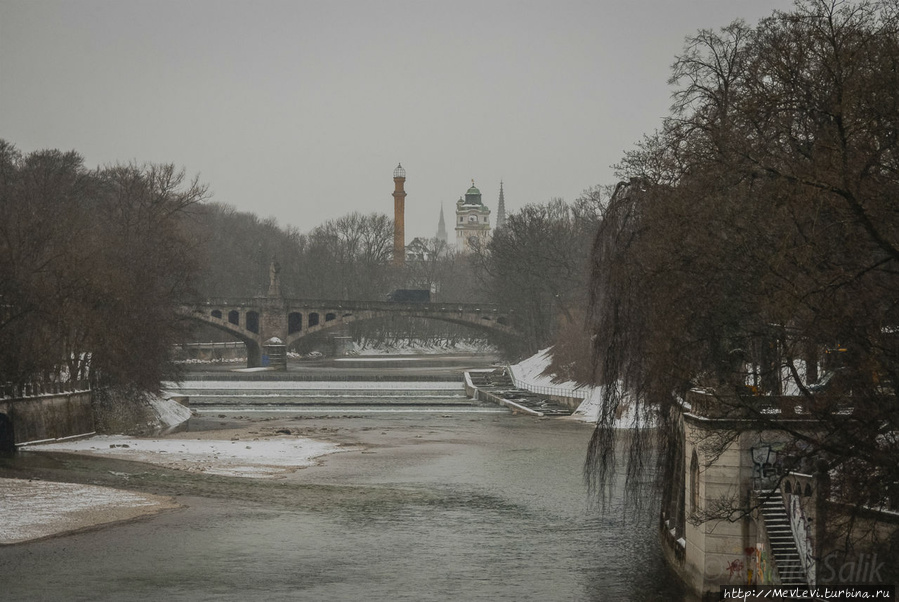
[[218, 360], [259, 459], [591, 407], [440, 346], [169, 412], [530, 371], [35, 509]]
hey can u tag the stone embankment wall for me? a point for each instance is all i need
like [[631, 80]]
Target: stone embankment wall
[[50, 416]]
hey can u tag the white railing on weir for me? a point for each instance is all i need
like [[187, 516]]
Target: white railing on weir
[[578, 393]]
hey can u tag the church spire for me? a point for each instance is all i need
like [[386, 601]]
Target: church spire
[[501, 208], [441, 226]]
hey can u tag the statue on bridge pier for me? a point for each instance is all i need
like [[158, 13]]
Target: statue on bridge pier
[[274, 286]]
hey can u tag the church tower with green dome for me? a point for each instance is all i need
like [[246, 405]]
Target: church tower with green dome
[[472, 221]]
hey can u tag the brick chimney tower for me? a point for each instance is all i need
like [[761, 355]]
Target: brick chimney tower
[[399, 206]]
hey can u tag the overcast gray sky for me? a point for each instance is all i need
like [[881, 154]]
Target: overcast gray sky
[[301, 110]]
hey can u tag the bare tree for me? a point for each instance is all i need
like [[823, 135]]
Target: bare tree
[[349, 258], [759, 227], [91, 266], [537, 265]]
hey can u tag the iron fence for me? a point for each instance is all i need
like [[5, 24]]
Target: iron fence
[[37, 389]]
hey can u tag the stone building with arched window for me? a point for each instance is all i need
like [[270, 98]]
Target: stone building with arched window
[[472, 221]]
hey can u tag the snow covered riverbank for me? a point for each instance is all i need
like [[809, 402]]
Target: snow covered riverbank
[[259, 457], [35, 509], [38, 509], [531, 371]]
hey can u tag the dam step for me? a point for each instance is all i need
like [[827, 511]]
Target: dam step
[[497, 386], [319, 392]]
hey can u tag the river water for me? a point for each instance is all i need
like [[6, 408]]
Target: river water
[[442, 504]]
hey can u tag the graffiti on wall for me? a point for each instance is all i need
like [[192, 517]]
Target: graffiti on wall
[[802, 534]]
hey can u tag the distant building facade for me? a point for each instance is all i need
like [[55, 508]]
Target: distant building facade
[[472, 221]]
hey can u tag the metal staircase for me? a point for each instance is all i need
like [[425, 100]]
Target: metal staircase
[[780, 539]]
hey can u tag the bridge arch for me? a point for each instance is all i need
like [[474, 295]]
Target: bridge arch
[[230, 323], [483, 321]]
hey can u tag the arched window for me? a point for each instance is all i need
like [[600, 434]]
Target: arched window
[[294, 322], [217, 313], [313, 319], [234, 317]]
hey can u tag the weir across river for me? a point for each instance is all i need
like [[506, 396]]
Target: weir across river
[[379, 381]]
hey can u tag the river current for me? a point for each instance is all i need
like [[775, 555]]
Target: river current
[[442, 504]]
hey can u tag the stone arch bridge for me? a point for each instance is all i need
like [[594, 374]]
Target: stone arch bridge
[[255, 321]]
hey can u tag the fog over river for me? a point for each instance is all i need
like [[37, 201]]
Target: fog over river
[[422, 503]]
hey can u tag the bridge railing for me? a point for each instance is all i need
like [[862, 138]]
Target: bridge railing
[[484, 308], [37, 389], [431, 307], [226, 302], [577, 393]]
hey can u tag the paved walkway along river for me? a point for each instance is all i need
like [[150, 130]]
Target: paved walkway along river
[[424, 503]]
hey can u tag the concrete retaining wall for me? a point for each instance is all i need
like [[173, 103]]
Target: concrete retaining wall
[[49, 416]]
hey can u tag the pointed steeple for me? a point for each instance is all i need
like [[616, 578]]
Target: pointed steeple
[[501, 208], [441, 226]]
